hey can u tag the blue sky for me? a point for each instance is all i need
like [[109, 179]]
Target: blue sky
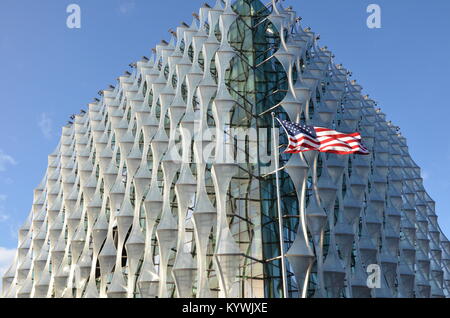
[[50, 72]]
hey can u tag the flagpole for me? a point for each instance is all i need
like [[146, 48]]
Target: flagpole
[[280, 215]]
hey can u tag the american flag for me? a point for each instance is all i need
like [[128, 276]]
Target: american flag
[[304, 138]]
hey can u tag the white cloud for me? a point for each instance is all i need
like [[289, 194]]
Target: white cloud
[[127, 6], [14, 228], [6, 160], [45, 124], [3, 216], [7, 181], [6, 260], [6, 256]]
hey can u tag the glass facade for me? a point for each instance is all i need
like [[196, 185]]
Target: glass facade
[[137, 200]]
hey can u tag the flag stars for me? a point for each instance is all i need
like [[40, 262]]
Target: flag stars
[[306, 138]]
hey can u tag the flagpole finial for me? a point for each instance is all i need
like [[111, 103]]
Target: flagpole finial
[[273, 114]]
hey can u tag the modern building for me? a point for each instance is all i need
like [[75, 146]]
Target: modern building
[[165, 186]]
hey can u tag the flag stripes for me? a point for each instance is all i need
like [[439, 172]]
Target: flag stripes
[[304, 138]]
